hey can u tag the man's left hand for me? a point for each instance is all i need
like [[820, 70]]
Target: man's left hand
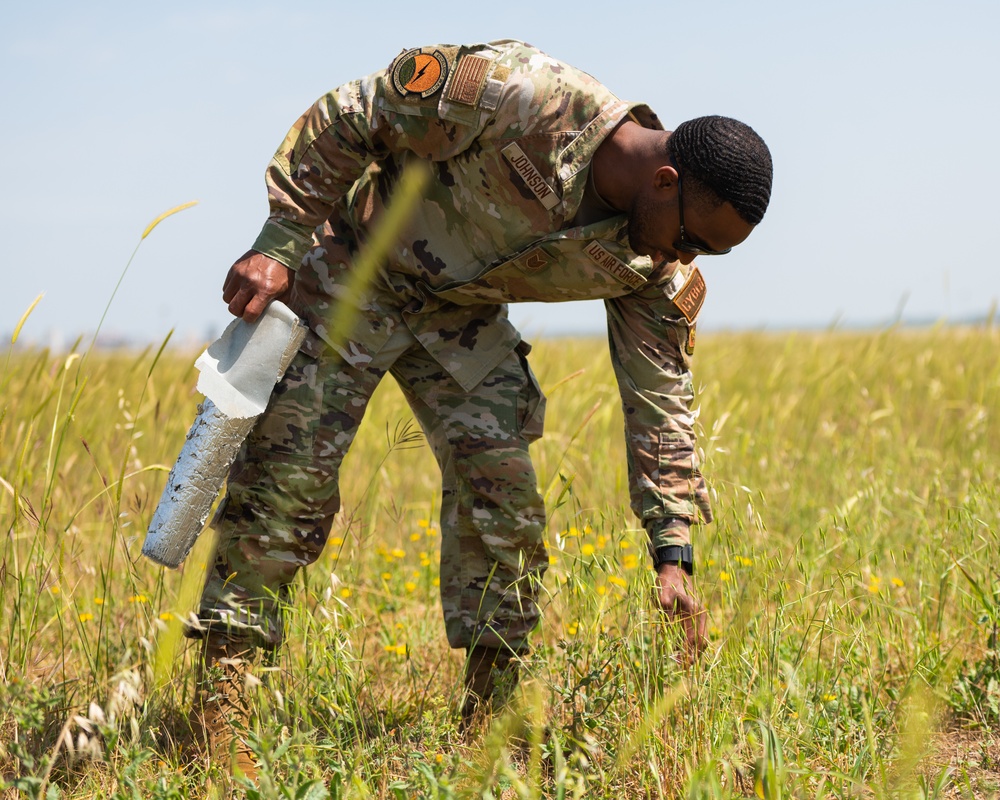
[[677, 600]]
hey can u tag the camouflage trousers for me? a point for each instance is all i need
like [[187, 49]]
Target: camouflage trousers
[[283, 492]]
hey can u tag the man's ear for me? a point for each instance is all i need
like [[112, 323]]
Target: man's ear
[[665, 177]]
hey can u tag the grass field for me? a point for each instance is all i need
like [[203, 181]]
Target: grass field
[[852, 575]]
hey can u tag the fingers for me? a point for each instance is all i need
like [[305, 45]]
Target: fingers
[[682, 607], [253, 282], [691, 616]]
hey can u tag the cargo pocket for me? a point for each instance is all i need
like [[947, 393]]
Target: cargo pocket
[[531, 400]]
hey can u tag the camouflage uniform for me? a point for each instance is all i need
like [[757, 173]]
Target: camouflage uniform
[[510, 134]]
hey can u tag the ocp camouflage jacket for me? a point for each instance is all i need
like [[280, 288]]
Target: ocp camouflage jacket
[[509, 133]]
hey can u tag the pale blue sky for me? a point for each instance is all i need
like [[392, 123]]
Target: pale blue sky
[[882, 119]]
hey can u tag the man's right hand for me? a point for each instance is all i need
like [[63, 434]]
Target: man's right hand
[[253, 282]]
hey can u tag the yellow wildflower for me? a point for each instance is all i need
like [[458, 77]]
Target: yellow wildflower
[[614, 579], [602, 590], [138, 598], [85, 617], [336, 541], [166, 616], [631, 561], [98, 601], [587, 549], [387, 576], [898, 582], [345, 592], [724, 576], [423, 523], [415, 537], [397, 553], [410, 586], [572, 628]]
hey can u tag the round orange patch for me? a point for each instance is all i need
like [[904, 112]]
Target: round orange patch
[[426, 71], [416, 72]]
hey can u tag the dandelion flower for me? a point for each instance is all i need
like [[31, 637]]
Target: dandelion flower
[[336, 541], [98, 601], [410, 586], [415, 537], [602, 590], [54, 589], [138, 598], [898, 582], [587, 549], [436, 582], [614, 579], [828, 698], [724, 576], [166, 616], [631, 561], [572, 628], [397, 553], [85, 617], [345, 592], [423, 523]]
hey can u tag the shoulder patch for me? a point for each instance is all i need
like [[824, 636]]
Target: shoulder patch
[[692, 295], [469, 79], [418, 73]]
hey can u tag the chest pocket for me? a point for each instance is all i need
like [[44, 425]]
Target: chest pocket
[[553, 271]]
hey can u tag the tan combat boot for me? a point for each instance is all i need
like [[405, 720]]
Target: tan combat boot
[[223, 705], [491, 675]]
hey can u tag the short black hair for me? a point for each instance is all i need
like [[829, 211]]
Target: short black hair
[[728, 158]]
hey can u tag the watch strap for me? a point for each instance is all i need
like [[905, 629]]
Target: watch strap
[[682, 555]]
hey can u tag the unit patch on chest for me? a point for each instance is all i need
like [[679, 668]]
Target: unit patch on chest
[[692, 295], [530, 174], [618, 268]]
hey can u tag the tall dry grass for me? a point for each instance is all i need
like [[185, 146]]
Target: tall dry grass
[[851, 577]]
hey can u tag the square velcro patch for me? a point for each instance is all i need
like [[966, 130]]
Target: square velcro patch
[[468, 80]]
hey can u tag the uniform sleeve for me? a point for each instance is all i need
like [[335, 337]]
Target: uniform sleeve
[[330, 146], [649, 339]]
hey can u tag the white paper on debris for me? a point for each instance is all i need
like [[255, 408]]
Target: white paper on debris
[[239, 370]]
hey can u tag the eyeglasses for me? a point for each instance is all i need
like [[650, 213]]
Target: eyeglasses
[[684, 244]]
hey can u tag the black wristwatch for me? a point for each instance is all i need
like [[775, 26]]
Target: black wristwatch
[[682, 555]]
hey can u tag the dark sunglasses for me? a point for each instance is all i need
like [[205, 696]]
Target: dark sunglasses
[[684, 244]]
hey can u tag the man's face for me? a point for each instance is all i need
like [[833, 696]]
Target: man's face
[[654, 223]]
